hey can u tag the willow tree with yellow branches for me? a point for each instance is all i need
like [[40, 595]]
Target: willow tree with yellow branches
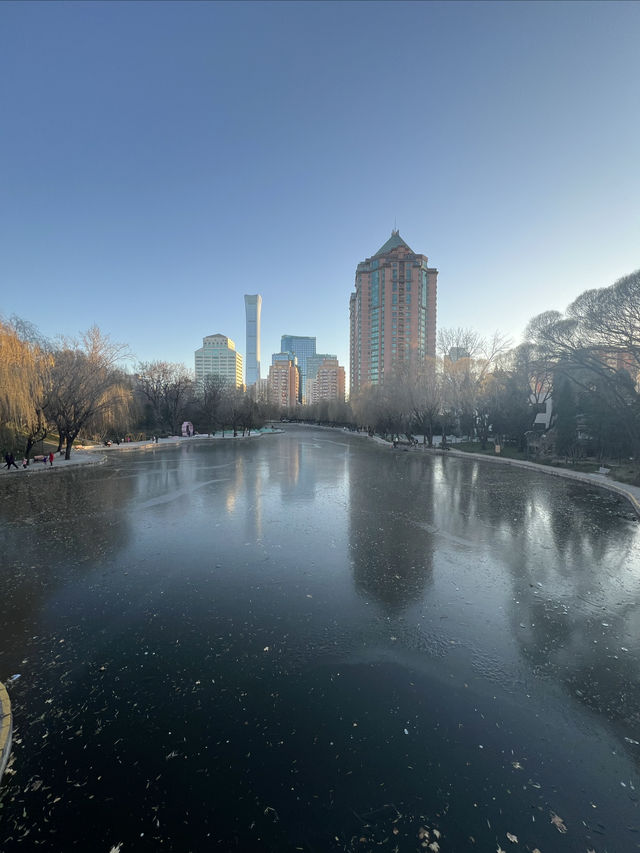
[[24, 372]]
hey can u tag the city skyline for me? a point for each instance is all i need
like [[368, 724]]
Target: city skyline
[[221, 155]]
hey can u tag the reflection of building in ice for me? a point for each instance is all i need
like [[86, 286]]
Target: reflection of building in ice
[[230, 502], [236, 484], [391, 505]]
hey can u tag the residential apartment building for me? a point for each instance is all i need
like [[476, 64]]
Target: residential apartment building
[[328, 382], [253, 310], [218, 357], [283, 383], [314, 362], [392, 312]]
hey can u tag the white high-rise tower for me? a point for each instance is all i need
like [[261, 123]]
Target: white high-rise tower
[[253, 307]]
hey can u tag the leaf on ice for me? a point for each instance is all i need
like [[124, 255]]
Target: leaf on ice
[[558, 822]]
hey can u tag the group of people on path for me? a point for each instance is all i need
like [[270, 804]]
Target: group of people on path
[[10, 460]]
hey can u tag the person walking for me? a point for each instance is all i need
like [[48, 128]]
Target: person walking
[[10, 460], [51, 459]]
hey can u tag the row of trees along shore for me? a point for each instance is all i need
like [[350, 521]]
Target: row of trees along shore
[[587, 360]]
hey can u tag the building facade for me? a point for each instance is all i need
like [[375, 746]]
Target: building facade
[[253, 309], [314, 362], [303, 348], [328, 382], [392, 313], [218, 357], [283, 384], [458, 353]]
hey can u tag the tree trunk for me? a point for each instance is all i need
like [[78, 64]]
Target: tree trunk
[[67, 452]]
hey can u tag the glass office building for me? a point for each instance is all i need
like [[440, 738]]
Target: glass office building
[[302, 348]]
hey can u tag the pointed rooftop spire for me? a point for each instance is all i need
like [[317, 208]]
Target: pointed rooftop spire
[[392, 243]]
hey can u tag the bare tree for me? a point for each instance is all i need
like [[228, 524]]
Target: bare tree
[[460, 343], [466, 366], [596, 347], [169, 389], [534, 370], [210, 395], [384, 409], [609, 318], [232, 409], [251, 413], [86, 388], [425, 392]]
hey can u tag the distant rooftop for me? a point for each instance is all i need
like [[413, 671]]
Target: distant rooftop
[[392, 243]]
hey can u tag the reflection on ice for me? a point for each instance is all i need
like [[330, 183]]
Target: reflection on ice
[[315, 629]]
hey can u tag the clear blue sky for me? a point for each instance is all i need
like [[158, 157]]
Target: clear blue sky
[[160, 160]]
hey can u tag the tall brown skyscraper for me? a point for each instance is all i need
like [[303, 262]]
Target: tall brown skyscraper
[[392, 312]]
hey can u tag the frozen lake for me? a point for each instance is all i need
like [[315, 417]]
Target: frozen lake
[[310, 642]]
